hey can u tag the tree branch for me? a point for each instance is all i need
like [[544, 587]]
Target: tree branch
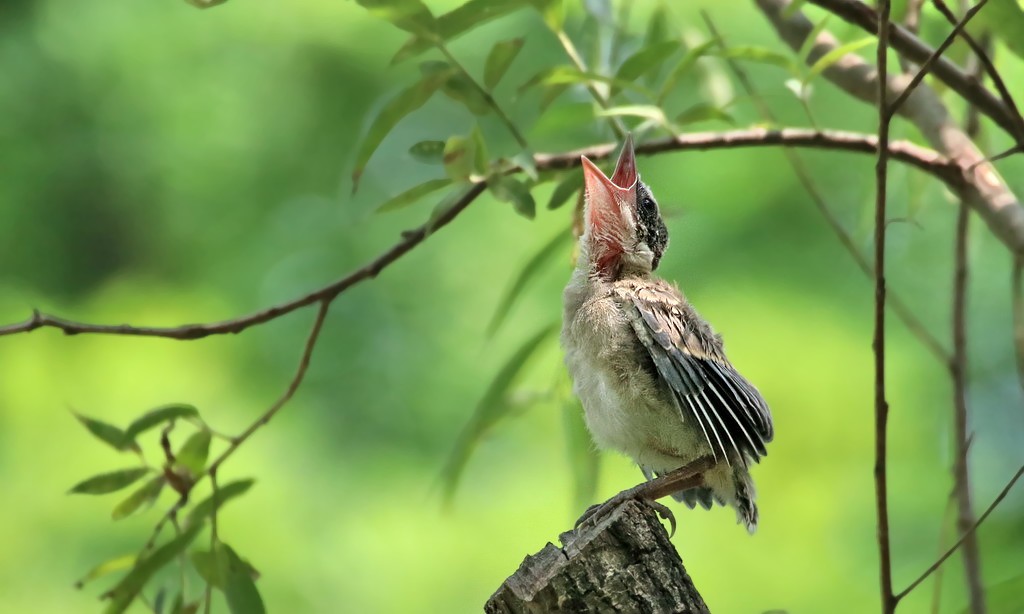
[[903, 41], [929, 161], [990, 196], [881, 404]]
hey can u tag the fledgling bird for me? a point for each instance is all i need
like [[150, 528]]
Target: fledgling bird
[[651, 374]]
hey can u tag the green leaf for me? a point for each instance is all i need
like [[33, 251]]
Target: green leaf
[[511, 190], [526, 161], [208, 506], [491, 408], [684, 66], [106, 567], [211, 565], [657, 26], [1005, 19], [460, 88], [702, 112], [413, 194], [499, 59], [157, 417], [533, 265], [109, 482], [143, 497], [129, 587], [824, 62], [428, 152], [584, 460], [646, 111], [569, 185], [107, 433], [568, 75], [551, 93], [459, 157], [552, 11], [761, 56], [812, 38], [480, 159], [194, 452], [453, 24], [644, 61], [409, 15], [239, 587], [407, 101]]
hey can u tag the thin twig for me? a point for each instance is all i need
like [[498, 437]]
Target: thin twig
[[881, 404], [934, 57], [574, 55], [909, 45], [942, 559], [300, 374], [958, 371], [803, 175], [978, 47], [912, 20]]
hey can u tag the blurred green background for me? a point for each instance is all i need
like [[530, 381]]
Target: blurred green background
[[162, 165]]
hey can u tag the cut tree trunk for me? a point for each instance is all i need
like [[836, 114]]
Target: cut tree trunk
[[625, 563]]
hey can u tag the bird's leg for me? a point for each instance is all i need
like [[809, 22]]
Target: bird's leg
[[689, 475]]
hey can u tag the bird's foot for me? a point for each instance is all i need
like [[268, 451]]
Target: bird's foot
[[599, 512]]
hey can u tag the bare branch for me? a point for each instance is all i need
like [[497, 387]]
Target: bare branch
[[300, 373], [993, 199], [881, 404], [958, 372], [934, 57], [903, 41], [956, 546]]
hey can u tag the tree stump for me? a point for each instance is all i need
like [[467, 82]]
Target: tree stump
[[625, 563]]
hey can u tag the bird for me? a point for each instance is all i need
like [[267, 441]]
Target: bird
[[650, 372]]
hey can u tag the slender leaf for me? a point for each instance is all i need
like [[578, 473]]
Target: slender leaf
[[107, 433], [552, 11], [511, 190], [157, 417], [551, 93], [211, 565], [460, 88], [684, 66], [569, 185], [499, 59], [528, 163], [106, 567], [109, 482], [413, 194], [239, 587], [568, 75], [428, 152], [812, 38], [129, 587], [194, 452], [211, 504], [824, 62], [459, 157], [490, 410], [762, 55], [529, 270], [584, 459], [646, 111], [702, 112], [453, 24], [481, 161], [407, 101], [143, 497], [644, 61], [657, 26], [409, 15]]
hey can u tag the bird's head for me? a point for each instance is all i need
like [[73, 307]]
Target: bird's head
[[623, 230]]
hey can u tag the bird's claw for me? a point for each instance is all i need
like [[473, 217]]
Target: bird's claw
[[595, 513]]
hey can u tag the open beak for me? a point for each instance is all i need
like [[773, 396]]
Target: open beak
[[610, 205]]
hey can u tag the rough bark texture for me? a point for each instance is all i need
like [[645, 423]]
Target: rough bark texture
[[625, 563]]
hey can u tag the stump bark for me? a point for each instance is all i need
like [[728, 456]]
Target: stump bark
[[626, 563]]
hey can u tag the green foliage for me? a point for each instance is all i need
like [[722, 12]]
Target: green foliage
[[414, 194], [157, 417], [533, 266], [107, 433], [209, 506], [106, 483], [502, 54], [125, 591], [142, 498]]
